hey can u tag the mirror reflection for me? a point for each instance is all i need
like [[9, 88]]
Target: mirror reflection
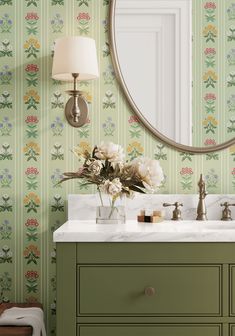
[[177, 59]]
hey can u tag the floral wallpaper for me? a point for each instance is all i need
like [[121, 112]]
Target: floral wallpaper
[[36, 141]]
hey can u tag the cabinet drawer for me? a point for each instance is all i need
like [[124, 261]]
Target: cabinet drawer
[[232, 290], [186, 290], [150, 330]]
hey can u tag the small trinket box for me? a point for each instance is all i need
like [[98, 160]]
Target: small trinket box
[[157, 216]]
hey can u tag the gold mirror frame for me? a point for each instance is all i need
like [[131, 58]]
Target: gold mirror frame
[[121, 81]]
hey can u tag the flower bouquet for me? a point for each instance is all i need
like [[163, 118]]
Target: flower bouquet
[[106, 168]]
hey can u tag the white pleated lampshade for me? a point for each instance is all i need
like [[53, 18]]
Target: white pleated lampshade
[[75, 54]]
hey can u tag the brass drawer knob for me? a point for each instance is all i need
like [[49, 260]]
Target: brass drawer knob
[[149, 291]]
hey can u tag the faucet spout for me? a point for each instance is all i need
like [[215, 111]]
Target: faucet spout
[[201, 208]]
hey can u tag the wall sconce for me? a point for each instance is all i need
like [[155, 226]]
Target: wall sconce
[[75, 60]]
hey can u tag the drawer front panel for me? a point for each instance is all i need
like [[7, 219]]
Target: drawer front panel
[[151, 330], [181, 290], [232, 290]]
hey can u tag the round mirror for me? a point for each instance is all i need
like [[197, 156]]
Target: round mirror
[[175, 62]]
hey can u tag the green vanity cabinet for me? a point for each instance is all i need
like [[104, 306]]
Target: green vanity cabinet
[[146, 289], [232, 330], [232, 289]]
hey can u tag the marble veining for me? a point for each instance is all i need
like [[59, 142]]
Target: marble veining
[[84, 206], [132, 231], [81, 226]]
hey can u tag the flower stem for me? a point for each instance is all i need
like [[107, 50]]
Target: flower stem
[[101, 200]]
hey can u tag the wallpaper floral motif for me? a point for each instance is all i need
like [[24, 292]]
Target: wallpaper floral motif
[[36, 141]]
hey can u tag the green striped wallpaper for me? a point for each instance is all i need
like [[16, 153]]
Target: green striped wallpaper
[[35, 140]]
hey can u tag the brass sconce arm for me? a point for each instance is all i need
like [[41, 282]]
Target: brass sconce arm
[[76, 109]]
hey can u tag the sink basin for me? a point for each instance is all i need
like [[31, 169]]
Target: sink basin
[[220, 225], [192, 226]]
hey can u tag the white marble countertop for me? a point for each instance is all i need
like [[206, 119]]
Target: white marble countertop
[[132, 231]]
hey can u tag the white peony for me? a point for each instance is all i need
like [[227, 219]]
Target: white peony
[[110, 151], [149, 171], [113, 187], [95, 167]]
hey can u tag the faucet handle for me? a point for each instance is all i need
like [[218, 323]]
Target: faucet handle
[[176, 212], [226, 213]]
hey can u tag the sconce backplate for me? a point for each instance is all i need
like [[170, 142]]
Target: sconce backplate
[[83, 106]]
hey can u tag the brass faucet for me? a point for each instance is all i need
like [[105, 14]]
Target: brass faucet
[[201, 208], [176, 216], [226, 213]]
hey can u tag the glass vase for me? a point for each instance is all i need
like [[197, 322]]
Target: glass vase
[[110, 214]]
